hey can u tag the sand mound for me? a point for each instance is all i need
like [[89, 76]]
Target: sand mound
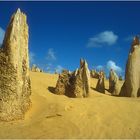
[[54, 116]]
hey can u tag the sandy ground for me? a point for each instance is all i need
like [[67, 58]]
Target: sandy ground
[[57, 116]]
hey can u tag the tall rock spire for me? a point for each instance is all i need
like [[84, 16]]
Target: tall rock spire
[[131, 86], [82, 80], [16, 38], [114, 83], [101, 83], [15, 87]]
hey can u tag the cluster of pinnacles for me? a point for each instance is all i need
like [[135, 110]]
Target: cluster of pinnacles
[[15, 86], [36, 69], [75, 84]]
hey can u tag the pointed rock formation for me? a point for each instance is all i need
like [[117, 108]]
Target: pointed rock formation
[[82, 80], [113, 83], [101, 84], [36, 69], [94, 74], [63, 83], [131, 86], [76, 84], [15, 87]]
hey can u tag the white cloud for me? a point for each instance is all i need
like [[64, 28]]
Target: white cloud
[[31, 57], [99, 67], [49, 67], [51, 55], [104, 38], [112, 65], [2, 33], [59, 68]]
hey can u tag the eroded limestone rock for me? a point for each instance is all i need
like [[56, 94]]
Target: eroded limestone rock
[[94, 74], [75, 84], [36, 69], [82, 80], [114, 83], [101, 84], [131, 86], [15, 87], [62, 83]]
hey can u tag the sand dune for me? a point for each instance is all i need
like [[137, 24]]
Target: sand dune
[[57, 116]]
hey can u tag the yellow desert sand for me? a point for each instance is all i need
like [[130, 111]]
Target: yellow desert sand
[[57, 116]]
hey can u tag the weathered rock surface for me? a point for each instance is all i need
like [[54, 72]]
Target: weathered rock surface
[[36, 69], [75, 84], [82, 80], [101, 84], [94, 74], [63, 83], [114, 83], [15, 87], [131, 86]]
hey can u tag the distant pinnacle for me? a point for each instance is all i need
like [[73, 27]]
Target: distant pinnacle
[[136, 41]]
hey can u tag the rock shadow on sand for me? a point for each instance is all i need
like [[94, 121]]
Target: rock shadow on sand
[[51, 89], [105, 93], [97, 90]]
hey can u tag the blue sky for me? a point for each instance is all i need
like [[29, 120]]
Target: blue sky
[[60, 33]]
